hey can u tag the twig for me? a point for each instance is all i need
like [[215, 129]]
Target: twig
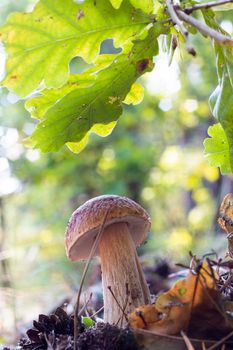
[[187, 341], [85, 305], [205, 289], [178, 22], [93, 249], [203, 346], [118, 304], [126, 302], [193, 296], [207, 5], [226, 283], [204, 29], [220, 341], [97, 312]]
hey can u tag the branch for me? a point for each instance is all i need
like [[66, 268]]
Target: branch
[[207, 5], [204, 29], [176, 20]]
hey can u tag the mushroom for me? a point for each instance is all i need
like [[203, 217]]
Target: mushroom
[[126, 226]]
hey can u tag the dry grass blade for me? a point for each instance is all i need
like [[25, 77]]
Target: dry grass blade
[[85, 305], [125, 306], [211, 299], [119, 305], [97, 312], [227, 283], [187, 341], [203, 346], [93, 249]]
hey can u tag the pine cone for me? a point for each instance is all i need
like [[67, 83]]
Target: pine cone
[[55, 332], [48, 331]]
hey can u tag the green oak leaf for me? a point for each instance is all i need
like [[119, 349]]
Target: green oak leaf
[[221, 100], [136, 94], [98, 129], [217, 148], [146, 6], [45, 40], [67, 117], [116, 3], [37, 106]]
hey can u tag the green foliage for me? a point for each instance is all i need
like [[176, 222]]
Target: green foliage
[[136, 94], [116, 3], [221, 104], [83, 106], [46, 40], [221, 101], [87, 322], [144, 5], [217, 148], [72, 106]]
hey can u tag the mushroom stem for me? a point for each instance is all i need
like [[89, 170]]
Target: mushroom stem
[[121, 271], [144, 285]]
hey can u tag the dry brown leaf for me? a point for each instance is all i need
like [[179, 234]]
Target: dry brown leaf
[[173, 309]]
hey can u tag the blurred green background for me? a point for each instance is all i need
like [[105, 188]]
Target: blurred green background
[[154, 156]]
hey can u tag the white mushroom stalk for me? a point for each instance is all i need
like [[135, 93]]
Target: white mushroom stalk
[[127, 224]]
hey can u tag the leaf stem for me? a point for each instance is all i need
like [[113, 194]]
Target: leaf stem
[[207, 5], [176, 20]]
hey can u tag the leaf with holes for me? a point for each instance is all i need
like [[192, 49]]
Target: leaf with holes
[[82, 106], [46, 39]]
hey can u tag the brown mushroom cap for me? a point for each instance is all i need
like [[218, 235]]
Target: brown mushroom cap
[[85, 223]]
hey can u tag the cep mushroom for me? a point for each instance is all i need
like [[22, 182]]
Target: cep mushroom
[[126, 226]]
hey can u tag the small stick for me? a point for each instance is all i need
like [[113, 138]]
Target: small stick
[[204, 29], [207, 5], [114, 297], [187, 341], [93, 249], [220, 341], [85, 305], [97, 312], [226, 283], [183, 30], [203, 346], [126, 302], [210, 297]]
